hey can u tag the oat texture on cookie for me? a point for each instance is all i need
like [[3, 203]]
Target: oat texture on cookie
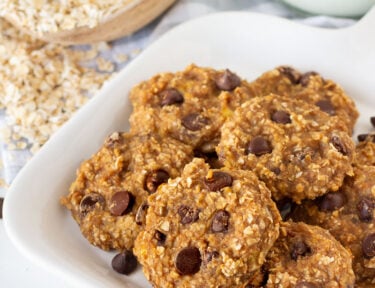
[[296, 149], [189, 105], [108, 198], [310, 87], [349, 216], [307, 256], [207, 228]]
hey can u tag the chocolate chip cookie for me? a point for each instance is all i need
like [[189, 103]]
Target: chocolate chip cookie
[[349, 215], [207, 228], [108, 198], [307, 256], [309, 87], [189, 105], [296, 149]]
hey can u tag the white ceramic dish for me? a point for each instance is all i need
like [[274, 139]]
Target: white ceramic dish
[[343, 8], [247, 43]]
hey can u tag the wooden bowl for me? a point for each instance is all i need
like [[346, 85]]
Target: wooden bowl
[[129, 19]]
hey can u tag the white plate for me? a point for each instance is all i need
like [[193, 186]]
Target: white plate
[[248, 44]]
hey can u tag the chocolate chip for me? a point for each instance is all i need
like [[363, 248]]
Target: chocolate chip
[[154, 179], [326, 106], [372, 120], [228, 81], [218, 180], [305, 79], [286, 207], [194, 121], [91, 201], [276, 170], [188, 261], [188, 214], [220, 221], [140, 216], [366, 137], [368, 246], [293, 75], [365, 208], [258, 146], [210, 158], [160, 237], [281, 117], [362, 137], [121, 203], [304, 284], [337, 143], [1, 207], [299, 248], [331, 201], [259, 278], [170, 96], [124, 262]]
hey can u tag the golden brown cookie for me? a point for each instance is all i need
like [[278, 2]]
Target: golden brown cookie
[[189, 105], [309, 87], [296, 149], [207, 228], [365, 151], [349, 216], [109, 195], [307, 256]]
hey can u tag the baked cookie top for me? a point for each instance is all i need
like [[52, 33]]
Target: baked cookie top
[[365, 152], [308, 256], [107, 198], [207, 228], [296, 149], [309, 87], [349, 216], [189, 105]]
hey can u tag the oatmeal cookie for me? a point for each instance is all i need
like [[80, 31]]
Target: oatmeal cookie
[[349, 215], [296, 149], [309, 87], [307, 256], [365, 151], [109, 195], [207, 228], [190, 105]]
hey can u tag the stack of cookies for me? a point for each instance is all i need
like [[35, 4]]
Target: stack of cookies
[[227, 183]]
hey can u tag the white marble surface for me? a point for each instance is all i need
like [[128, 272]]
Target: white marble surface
[[15, 270]]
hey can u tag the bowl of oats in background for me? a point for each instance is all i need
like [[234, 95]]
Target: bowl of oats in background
[[81, 21]]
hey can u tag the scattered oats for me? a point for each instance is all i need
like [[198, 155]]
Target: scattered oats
[[105, 65], [12, 146], [3, 183], [136, 51], [121, 58], [102, 46], [51, 16], [21, 145], [41, 86]]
